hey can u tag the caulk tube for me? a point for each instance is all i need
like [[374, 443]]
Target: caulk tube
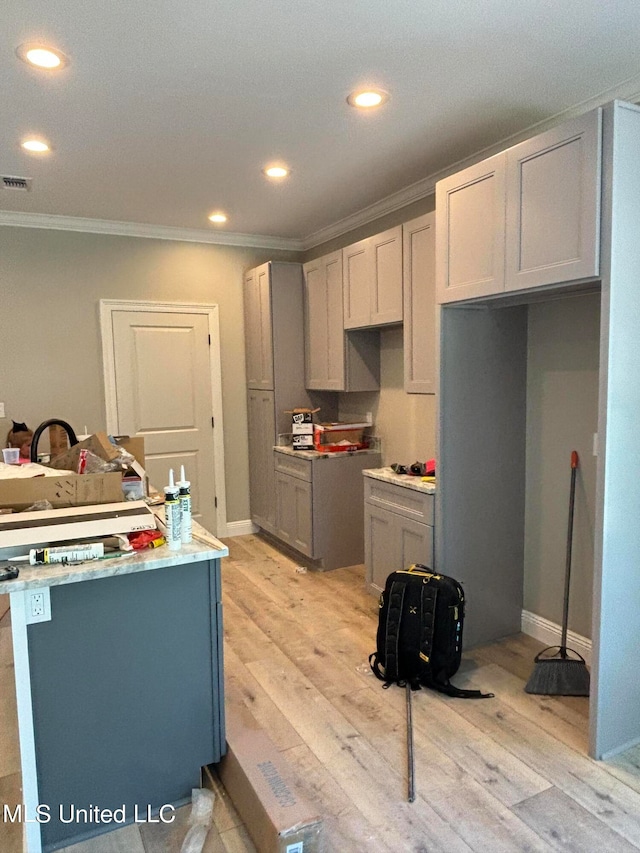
[[185, 507], [66, 554], [172, 514]]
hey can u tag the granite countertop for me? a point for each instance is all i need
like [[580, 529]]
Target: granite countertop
[[409, 481], [316, 454], [203, 547]]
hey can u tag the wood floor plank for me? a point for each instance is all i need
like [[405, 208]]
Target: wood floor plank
[[589, 784], [345, 828], [124, 840], [567, 826], [241, 686], [241, 633], [10, 795], [9, 748], [169, 837], [626, 767], [373, 786]]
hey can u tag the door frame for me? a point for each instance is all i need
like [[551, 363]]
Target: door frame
[[108, 307]]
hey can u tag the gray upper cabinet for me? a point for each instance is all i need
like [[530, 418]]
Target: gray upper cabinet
[[553, 205], [372, 280], [324, 334], [419, 264], [470, 231], [335, 360], [257, 327], [525, 218]]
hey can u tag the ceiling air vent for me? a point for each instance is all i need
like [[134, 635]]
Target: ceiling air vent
[[10, 182]]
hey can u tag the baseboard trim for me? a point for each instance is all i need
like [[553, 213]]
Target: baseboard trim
[[240, 528], [550, 633]]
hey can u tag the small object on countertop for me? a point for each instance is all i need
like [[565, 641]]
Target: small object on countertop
[[428, 479], [172, 514], [61, 554], [146, 539], [184, 496], [9, 573]]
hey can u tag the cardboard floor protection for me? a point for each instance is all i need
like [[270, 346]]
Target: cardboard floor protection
[[259, 783]]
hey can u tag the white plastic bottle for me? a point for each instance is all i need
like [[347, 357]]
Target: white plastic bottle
[[172, 514], [68, 554], [184, 495]]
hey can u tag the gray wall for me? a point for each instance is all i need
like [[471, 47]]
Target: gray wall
[[51, 283], [562, 415], [406, 423]]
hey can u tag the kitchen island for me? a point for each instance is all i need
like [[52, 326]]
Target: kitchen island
[[119, 688]]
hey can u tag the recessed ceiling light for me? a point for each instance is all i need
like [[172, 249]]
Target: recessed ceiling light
[[276, 171], [367, 99], [42, 56], [218, 218], [36, 146]]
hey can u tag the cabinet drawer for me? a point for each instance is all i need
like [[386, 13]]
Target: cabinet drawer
[[408, 502], [300, 468]]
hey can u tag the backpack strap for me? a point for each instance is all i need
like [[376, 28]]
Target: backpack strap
[[428, 598], [389, 673]]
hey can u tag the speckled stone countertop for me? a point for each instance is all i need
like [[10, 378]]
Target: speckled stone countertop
[[316, 454], [407, 480], [204, 547]]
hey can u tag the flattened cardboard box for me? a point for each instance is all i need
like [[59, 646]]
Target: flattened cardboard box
[[256, 777], [65, 490]]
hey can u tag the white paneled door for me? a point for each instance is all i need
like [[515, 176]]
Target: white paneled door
[[165, 387]]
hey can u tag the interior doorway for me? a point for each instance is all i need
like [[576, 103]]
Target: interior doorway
[[162, 380]]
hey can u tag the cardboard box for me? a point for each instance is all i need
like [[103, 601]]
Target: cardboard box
[[302, 442], [97, 443], [133, 444], [62, 491], [256, 777]]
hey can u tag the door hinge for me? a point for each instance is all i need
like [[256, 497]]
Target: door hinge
[[215, 502], [213, 421], [209, 336]]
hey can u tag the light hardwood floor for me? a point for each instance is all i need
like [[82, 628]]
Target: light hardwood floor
[[505, 774]]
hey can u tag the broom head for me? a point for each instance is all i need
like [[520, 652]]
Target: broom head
[[559, 674]]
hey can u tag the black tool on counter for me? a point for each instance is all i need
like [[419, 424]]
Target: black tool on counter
[[9, 573]]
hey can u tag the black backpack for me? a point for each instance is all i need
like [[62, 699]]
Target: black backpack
[[419, 638]]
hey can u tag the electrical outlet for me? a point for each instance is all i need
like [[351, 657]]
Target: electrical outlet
[[369, 418], [38, 605], [2, 412]]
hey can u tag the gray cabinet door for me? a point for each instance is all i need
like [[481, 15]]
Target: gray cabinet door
[[553, 205], [356, 271], [324, 332], [419, 264], [257, 327], [385, 293], [381, 545], [392, 543], [262, 428], [470, 231], [294, 512]]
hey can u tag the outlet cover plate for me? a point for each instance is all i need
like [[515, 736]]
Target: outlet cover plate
[[37, 610]]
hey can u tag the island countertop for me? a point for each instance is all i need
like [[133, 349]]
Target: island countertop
[[203, 547]]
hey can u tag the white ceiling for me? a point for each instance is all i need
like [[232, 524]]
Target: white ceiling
[[170, 108]]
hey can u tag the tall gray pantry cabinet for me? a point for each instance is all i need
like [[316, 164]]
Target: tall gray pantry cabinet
[[554, 217], [275, 373]]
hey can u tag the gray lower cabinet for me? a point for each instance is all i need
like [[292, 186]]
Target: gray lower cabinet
[[398, 524], [318, 500], [294, 512]]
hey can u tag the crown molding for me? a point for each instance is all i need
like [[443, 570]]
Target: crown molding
[[629, 90], [153, 232]]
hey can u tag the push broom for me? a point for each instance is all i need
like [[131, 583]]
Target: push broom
[[560, 671]]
